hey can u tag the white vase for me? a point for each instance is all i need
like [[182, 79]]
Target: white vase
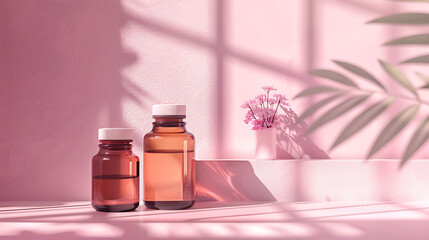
[[265, 143]]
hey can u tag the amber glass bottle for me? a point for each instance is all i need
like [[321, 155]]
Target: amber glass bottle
[[169, 163], [115, 172]]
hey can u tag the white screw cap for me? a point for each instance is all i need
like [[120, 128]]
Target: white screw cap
[[115, 134], [169, 110]]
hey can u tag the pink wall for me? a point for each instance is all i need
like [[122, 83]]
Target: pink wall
[[70, 67]]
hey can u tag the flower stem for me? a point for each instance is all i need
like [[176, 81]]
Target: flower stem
[[268, 96], [252, 112], [274, 116]]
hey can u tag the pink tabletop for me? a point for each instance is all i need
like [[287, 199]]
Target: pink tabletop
[[219, 220]]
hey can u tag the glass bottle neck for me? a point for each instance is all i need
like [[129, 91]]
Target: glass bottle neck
[[169, 125], [115, 146]]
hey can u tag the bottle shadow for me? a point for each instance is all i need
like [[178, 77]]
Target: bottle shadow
[[235, 180]]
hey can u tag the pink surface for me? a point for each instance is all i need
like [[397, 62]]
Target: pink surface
[[70, 67], [312, 180], [254, 220]]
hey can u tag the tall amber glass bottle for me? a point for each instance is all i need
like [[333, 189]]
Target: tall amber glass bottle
[[169, 163], [115, 172]]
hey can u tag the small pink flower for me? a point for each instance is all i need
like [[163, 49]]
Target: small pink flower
[[282, 99], [269, 88], [257, 124], [263, 110], [261, 98], [245, 104], [248, 118], [272, 101]]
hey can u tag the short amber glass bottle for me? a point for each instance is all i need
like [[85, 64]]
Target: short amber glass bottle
[[169, 163], [115, 172]]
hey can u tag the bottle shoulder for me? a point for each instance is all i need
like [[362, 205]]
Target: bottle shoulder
[[152, 134], [113, 155], [155, 141], [191, 134]]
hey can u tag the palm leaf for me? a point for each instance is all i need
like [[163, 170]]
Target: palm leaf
[[421, 39], [360, 72], [404, 18], [362, 120], [424, 78], [315, 90], [337, 111], [396, 74], [421, 135], [393, 128], [317, 106], [420, 59], [334, 76]]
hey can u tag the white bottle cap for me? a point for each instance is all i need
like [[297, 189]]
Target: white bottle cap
[[115, 134], [169, 110]]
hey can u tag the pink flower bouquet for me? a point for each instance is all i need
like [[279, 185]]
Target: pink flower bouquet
[[262, 110]]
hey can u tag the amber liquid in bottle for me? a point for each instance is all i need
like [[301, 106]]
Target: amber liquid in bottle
[[169, 165], [115, 177]]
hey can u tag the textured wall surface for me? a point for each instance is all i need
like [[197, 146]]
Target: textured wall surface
[[70, 67]]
